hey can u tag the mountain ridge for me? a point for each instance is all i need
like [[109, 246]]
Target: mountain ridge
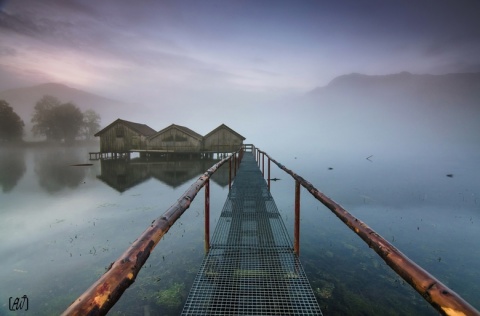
[[404, 80]]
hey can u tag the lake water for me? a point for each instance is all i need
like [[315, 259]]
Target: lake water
[[62, 225]]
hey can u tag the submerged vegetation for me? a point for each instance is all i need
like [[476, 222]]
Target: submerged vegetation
[[172, 297]]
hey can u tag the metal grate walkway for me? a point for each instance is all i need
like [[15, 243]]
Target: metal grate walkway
[[251, 268]]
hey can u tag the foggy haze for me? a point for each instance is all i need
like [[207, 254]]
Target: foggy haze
[[376, 103], [249, 65]]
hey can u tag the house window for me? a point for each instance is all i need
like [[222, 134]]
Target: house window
[[120, 132], [175, 138], [135, 141], [180, 138]]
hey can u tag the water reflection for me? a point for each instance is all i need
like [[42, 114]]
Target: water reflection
[[12, 168], [55, 171], [123, 175], [430, 217]]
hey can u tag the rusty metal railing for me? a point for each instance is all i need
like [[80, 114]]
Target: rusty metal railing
[[100, 297], [442, 298]]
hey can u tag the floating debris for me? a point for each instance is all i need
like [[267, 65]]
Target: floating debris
[[450, 175]]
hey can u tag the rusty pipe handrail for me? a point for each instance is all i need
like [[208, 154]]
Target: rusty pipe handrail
[[442, 298], [107, 290]]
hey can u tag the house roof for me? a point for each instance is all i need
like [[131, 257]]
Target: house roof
[[227, 128], [184, 129], [143, 129]]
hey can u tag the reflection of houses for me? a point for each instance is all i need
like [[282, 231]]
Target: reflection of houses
[[121, 137], [177, 172], [123, 175]]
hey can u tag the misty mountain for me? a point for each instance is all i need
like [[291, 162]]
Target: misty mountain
[[23, 101], [463, 87], [399, 111]]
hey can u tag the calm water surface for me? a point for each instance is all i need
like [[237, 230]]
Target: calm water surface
[[62, 225]]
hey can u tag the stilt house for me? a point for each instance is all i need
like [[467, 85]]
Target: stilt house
[[122, 136], [222, 139], [175, 139]]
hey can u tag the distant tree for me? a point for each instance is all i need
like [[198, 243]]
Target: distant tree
[[43, 118], [68, 121], [91, 123], [57, 121], [11, 125]]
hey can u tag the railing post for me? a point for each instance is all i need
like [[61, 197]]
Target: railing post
[[296, 228], [229, 173], [235, 165], [263, 165], [207, 215], [268, 174]]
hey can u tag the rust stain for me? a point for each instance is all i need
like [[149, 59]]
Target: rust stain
[[451, 311], [103, 294]]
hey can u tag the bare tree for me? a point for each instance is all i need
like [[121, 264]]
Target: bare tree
[[91, 123]]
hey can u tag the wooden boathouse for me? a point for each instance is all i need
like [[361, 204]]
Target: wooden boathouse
[[175, 139], [122, 137], [222, 139]]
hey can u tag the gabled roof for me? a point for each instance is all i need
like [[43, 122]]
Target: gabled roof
[[227, 128], [143, 129], [184, 129]]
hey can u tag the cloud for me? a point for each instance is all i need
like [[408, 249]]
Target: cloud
[[18, 23], [122, 47], [7, 51], [454, 43]]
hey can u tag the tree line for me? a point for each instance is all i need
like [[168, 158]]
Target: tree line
[[57, 121]]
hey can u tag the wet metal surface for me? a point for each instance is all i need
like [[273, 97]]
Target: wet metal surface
[[251, 268]]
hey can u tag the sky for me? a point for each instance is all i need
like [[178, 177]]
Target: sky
[[213, 54]]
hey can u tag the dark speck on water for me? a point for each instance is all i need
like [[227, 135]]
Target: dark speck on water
[[450, 175]]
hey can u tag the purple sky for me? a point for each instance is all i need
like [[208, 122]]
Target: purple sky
[[235, 52]]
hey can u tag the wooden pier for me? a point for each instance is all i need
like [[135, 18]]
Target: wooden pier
[[251, 267]]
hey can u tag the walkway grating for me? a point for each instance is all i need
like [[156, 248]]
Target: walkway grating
[[251, 268]]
